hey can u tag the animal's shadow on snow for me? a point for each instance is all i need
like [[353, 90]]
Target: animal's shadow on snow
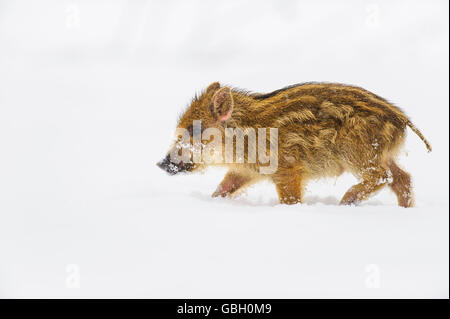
[[244, 201], [238, 200]]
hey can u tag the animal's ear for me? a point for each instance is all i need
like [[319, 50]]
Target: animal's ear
[[213, 87], [222, 105]]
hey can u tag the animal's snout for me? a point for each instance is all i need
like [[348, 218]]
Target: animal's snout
[[166, 165], [173, 168]]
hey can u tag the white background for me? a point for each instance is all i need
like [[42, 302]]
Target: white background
[[89, 96]]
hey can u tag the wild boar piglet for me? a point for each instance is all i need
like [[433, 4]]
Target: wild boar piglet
[[293, 135]]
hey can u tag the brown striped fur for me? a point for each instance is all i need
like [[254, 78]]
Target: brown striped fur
[[324, 130]]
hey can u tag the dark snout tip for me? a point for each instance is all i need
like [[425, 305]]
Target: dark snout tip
[[160, 164], [167, 166]]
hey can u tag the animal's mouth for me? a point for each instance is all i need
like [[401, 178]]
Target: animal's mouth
[[173, 168]]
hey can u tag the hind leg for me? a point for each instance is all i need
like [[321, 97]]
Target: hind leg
[[289, 185], [401, 185], [373, 180]]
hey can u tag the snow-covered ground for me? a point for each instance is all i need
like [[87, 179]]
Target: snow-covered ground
[[89, 95]]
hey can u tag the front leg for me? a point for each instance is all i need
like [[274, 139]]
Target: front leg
[[232, 182]]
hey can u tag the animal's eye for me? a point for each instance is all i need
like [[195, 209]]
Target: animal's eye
[[190, 130]]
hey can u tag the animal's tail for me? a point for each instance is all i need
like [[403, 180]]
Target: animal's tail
[[419, 134]]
